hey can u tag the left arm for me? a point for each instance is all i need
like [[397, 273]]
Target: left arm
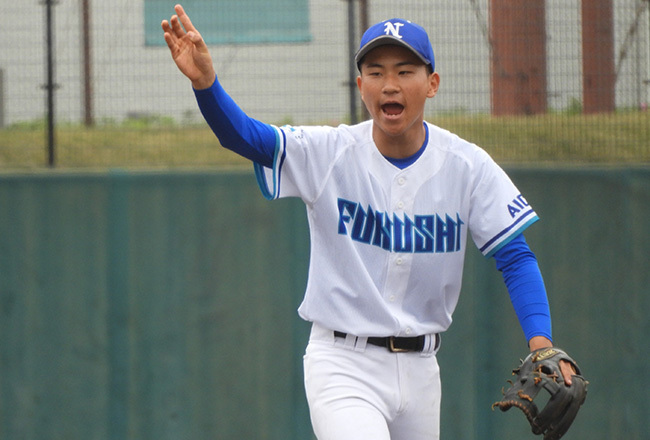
[[525, 285]]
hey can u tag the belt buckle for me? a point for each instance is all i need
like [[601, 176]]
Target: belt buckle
[[392, 348]]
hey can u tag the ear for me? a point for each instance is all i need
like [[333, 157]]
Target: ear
[[359, 86], [434, 83]]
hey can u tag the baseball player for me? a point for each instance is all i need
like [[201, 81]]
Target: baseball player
[[390, 203]]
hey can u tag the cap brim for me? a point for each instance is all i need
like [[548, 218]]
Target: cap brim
[[384, 40]]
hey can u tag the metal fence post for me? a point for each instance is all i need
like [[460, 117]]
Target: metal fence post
[[352, 72], [2, 99], [50, 85]]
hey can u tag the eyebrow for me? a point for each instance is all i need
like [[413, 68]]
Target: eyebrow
[[400, 64]]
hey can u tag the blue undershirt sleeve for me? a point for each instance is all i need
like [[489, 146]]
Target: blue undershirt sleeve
[[235, 130], [525, 285]]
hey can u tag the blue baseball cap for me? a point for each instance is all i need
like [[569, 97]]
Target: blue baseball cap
[[400, 32]]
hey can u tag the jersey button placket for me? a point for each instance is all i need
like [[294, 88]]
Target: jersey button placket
[[396, 276], [399, 263], [400, 193]]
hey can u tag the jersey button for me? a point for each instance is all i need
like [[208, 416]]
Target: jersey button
[[401, 181], [391, 298], [408, 330], [398, 261], [400, 205]]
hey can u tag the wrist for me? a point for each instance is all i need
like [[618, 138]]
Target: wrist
[[537, 342], [204, 82]]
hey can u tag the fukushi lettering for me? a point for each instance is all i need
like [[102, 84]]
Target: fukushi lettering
[[432, 233]]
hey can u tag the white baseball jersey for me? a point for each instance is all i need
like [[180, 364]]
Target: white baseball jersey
[[388, 244]]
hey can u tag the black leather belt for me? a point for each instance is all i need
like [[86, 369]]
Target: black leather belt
[[396, 344]]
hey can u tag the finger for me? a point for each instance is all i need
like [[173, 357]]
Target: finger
[[184, 18], [168, 34], [166, 27], [192, 32], [567, 372], [176, 27], [170, 40]]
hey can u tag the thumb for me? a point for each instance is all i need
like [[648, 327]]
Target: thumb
[[197, 40]]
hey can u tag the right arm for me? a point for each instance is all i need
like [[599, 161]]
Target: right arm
[[236, 131], [189, 51]]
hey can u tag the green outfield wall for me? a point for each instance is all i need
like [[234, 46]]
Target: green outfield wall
[[162, 305]]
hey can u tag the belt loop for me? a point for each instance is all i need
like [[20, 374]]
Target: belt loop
[[431, 345], [355, 343], [350, 341], [360, 345]]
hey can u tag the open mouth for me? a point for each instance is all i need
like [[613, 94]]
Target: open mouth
[[392, 109]]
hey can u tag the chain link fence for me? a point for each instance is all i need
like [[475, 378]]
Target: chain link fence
[[107, 93]]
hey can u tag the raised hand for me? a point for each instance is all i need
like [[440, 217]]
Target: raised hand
[[189, 51]]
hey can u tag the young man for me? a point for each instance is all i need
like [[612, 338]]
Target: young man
[[390, 204]]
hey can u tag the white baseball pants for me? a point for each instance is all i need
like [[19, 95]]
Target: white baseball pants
[[358, 391]]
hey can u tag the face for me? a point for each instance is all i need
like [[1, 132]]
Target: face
[[394, 85]]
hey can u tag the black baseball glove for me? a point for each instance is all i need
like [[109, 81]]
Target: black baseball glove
[[541, 371]]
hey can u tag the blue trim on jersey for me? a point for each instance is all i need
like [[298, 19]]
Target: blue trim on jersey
[[260, 173], [525, 284], [261, 181], [520, 229], [282, 158], [507, 240]]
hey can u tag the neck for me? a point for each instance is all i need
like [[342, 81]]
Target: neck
[[402, 145]]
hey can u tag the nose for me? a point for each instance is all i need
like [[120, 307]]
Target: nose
[[391, 84]]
